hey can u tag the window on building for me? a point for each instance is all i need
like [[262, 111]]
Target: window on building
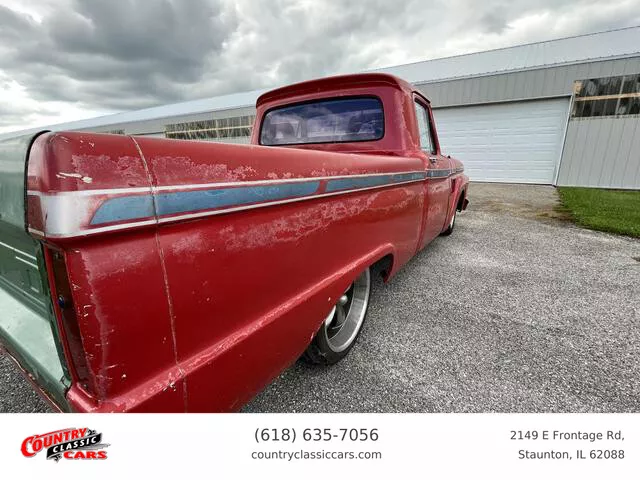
[[324, 121], [115, 132], [426, 142], [607, 96], [215, 129]]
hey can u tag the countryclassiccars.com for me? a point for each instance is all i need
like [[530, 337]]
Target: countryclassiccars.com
[[145, 274]]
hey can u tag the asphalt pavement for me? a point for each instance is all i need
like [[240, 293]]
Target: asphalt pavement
[[516, 311]]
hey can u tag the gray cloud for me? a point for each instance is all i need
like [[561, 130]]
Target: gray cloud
[[120, 55], [114, 55]]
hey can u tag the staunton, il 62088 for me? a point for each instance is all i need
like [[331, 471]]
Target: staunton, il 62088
[[145, 274]]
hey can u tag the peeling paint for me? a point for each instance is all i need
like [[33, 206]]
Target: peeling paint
[[104, 329], [85, 179], [295, 226], [188, 246], [324, 172], [283, 176], [174, 169]]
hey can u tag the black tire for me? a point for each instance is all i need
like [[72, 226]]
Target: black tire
[[452, 224], [341, 327]]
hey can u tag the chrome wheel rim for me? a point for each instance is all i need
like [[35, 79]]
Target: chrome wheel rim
[[345, 319]]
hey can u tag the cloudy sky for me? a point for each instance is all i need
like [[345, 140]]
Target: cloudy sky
[[63, 60]]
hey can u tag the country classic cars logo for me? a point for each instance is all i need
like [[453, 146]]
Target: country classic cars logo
[[70, 443]]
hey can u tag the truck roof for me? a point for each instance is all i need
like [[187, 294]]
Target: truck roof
[[334, 83]]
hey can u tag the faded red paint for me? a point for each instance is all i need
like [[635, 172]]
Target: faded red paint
[[200, 315]]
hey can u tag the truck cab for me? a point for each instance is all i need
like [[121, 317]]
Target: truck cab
[[373, 114]]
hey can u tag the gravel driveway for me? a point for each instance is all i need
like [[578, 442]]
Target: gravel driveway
[[517, 311]]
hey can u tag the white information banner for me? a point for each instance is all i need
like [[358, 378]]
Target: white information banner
[[321, 446]]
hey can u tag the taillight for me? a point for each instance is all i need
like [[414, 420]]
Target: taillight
[[68, 320]]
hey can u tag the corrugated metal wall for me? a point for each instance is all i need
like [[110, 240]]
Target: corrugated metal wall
[[156, 127], [602, 152], [524, 85]]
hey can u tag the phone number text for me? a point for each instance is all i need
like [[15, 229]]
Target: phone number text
[[290, 435]]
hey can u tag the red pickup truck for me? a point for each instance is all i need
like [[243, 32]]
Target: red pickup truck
[[145, 274]]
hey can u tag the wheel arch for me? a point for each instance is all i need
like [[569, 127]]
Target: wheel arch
[[381, 257], [461, 197], [384, 265]]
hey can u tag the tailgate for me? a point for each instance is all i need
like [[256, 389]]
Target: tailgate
[[27, 326]]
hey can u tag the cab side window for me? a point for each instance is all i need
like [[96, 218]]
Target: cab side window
[[426, 142]]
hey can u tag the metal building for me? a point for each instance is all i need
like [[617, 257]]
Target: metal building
[[562, 112]]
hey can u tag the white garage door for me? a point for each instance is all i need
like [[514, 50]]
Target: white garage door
[[509, 142]]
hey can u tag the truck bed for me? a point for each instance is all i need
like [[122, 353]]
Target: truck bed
[[27, 323]]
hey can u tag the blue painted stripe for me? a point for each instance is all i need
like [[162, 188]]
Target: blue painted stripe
[[180, 202], [365, 182], [124, 208], [141, 206], [439, 173]]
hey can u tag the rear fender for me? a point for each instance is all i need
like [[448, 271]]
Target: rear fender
[[243, 364]]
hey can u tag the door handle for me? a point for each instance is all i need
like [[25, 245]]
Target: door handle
[[433, 160]]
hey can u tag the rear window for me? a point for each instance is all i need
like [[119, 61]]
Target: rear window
[[325, 121]]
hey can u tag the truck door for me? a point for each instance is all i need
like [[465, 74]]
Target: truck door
[[438, 183]]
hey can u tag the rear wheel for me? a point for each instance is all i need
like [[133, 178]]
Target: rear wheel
[[341, 327]]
